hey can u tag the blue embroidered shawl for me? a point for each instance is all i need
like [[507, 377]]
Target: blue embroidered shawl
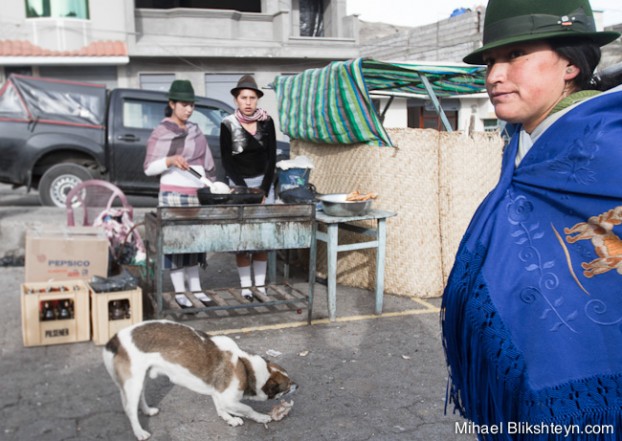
[[532, 312]]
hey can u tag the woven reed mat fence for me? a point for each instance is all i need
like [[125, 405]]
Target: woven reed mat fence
[[433, 180]]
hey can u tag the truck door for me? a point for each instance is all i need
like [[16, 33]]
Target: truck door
[[133, 120]]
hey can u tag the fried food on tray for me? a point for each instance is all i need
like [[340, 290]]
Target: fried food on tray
[[357, 196]]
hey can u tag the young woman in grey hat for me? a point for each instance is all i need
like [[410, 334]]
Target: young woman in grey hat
[[532, 311], [174, 146], [248, 149]]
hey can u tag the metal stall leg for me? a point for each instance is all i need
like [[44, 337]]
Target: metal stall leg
[[272, 262], [381, 236], [312, 269], [331, 283], [158, 277]]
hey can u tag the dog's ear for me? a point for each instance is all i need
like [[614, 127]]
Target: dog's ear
[[271, 388], [278, 382]]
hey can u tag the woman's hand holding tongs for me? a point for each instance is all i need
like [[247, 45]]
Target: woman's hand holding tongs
[[177, 161]]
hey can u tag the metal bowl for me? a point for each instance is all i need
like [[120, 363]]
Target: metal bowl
[[336, 205]]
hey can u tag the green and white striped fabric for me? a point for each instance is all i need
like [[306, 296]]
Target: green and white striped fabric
[[332, 104]]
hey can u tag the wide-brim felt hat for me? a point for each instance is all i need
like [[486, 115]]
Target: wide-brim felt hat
[[518, 21], [181, 90], [247, 82]]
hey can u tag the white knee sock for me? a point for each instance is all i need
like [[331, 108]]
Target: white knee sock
[[177, 277], [245, 280], [192, 275], [259, 270]]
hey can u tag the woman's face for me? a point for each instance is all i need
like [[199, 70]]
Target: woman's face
[[246, 101], [181, 111], [525, 81]]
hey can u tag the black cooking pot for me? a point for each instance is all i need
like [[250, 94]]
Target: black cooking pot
[[238, 195], [299, 195]]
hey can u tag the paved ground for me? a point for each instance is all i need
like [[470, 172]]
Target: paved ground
[[361, 378]]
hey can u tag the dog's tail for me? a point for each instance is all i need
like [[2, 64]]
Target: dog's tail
[[113, 345], [110, 350]]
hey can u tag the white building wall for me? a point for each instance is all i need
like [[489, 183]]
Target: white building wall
[[65, 34], [397, 114], [187, 43], [473, 111]]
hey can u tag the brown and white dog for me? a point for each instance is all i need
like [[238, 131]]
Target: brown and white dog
[[210, 365]]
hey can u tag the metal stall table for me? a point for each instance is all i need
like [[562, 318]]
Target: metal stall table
[[331, 237], [228, 228]]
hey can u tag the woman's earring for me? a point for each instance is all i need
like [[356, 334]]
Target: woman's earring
[[569, 70]]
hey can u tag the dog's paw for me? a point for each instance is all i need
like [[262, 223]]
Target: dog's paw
[[151, 411], [263, 419], [142, 435], [235, 421]]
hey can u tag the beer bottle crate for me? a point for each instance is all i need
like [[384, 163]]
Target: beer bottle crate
[[113, 311], [55, 312]]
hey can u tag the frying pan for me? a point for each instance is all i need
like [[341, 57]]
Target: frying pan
[[238, 195]]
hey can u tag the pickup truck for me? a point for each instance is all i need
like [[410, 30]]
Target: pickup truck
[[55, 134]]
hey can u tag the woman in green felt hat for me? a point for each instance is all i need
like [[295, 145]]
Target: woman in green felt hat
[[538, 53], [175, 146], [532, 310]]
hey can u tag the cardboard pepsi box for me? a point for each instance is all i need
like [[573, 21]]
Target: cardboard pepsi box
[[65, 253]]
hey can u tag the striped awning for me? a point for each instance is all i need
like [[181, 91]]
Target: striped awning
[[332, 104]]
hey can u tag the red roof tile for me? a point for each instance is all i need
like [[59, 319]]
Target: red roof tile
[[24, 48]]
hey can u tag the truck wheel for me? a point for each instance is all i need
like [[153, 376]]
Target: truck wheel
[[58, 181]]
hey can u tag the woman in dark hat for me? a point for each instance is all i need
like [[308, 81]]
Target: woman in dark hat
[[532, 311], [175, 146], [248, 148]]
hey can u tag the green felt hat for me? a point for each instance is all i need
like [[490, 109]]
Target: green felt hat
[[517, 21], [181, 90]]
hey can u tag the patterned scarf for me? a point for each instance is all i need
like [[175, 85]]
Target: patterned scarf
[[168, 139], [258, 115]]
